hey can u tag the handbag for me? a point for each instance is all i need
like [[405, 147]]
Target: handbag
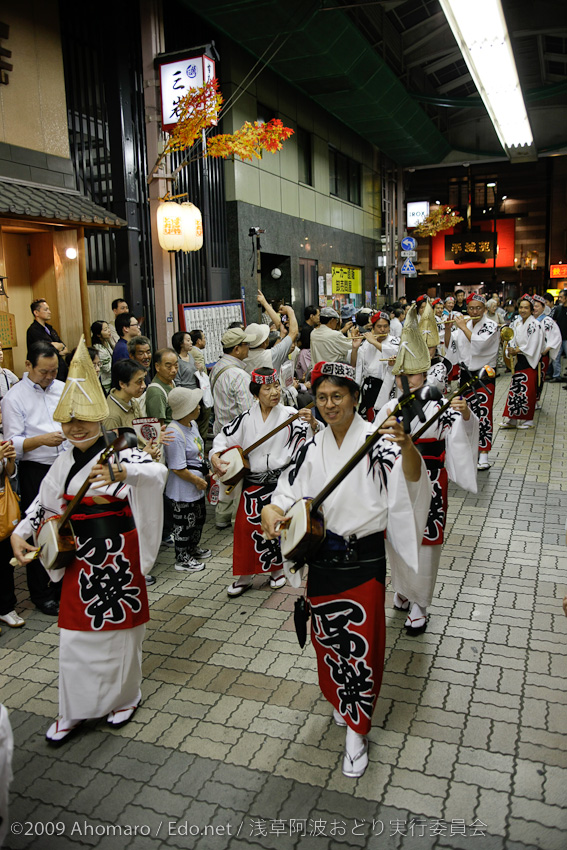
[[9, 508], [205, 385]]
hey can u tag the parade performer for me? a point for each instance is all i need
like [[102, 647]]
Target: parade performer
[[373, 374], [388, 489], [116, 530], [474, 344], [551, 344], [438, 372], [520, 404], [449, 448], [252, 553]]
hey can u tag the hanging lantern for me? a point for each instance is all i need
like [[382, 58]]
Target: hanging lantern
[[192, 227], [170, 226]]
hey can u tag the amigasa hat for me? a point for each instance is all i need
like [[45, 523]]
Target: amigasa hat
[[428, 326], [413, 355], [83, 396]]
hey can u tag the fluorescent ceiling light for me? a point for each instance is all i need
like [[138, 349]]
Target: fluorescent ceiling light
[[482, 35]]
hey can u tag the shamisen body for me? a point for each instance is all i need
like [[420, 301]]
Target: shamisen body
[[388, 489]]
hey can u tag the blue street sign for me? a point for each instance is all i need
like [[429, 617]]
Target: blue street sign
[[407, 267], [409, 243]]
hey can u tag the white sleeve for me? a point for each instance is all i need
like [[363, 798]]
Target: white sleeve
[[359, 369], [461, 452], [408, 508], [485, 345], [280, 353], [146, 480], [230, 435]]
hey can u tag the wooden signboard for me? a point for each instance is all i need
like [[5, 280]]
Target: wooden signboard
[[8, 337]]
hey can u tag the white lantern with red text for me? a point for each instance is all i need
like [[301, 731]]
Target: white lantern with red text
[[170, 226], [192, 227]]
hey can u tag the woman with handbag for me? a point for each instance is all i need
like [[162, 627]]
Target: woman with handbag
[[9, 518]]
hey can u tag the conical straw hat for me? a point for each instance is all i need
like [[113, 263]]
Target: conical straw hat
[[82, 397], [413, 356], [428, 326]]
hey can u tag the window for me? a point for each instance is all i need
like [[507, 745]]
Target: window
[[459, 194], [344, 177], [304, 156], [484, 195]]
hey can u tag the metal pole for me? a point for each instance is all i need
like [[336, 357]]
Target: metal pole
[[206, 217]]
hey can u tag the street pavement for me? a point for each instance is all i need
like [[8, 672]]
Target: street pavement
[[234, 746]]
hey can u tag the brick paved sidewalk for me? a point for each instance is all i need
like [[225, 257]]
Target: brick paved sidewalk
[[468, 748]]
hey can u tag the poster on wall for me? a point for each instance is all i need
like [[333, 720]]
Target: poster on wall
[[347, 280], [213, 318]]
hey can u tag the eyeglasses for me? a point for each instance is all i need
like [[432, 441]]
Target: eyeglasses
[[335, 398]]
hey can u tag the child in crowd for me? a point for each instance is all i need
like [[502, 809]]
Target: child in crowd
[[187, 483]]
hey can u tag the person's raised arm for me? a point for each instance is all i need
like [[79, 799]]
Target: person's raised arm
[[275, 317], [288, 311]]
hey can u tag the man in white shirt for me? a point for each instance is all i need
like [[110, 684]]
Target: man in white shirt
[[27, 416], [327, 342], [230, 386]]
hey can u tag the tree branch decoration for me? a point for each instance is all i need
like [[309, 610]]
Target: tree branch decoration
[[199, 109], [440, 218]]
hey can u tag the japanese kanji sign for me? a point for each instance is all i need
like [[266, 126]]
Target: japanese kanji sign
[[347, 280], [177, 79]]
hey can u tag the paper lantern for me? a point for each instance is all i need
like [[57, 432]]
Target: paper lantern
[[170, 226], [192, 227]]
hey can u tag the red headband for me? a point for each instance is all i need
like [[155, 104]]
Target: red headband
[[526, 297], [337, 370], [272, 378], [379, 315], [475, 296], [539, 298]]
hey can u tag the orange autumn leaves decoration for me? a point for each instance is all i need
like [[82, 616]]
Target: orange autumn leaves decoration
[[199, 109]]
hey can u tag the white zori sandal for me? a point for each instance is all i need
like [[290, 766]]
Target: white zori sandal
[[121, 716], [60, 731]]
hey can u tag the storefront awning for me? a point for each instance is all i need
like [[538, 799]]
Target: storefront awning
[[38, 202]]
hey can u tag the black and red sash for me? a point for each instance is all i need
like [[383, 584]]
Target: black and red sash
[[433, 454], [103, 588]]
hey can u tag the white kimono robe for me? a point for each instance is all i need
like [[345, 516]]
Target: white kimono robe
[[250, 427], [481, 350], [461, 445], [374, 496], [529, 339], [252, 553], [372, 362], [101, 671], [552, 339]]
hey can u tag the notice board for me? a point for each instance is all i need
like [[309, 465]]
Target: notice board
[[213, 318]]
